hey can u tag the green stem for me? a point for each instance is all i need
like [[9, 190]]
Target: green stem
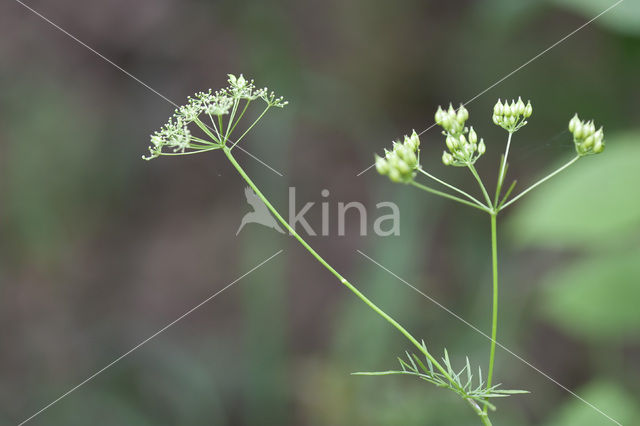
[[250, 127], [246, 105], [449, 196], [480, 412], [343, 280], [440, 181], [541, 181], [494, 315], [484, 190], [502, 171], [231, 117]]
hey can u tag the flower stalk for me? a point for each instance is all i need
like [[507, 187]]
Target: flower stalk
[[463, 151]]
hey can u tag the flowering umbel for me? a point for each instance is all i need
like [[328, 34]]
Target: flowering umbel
[[512, 116], [401, 162], [175, 138], [463, 144], [587, 139]]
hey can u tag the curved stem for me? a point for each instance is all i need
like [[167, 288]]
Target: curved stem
[[494, 314], [502, 171], [541, 181], [484, 190], [440, 181], [343, 280], [449, 196]]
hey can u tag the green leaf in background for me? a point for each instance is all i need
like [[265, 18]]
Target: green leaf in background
[[596, 298], [608, 397], [624, 18], [592, 203]]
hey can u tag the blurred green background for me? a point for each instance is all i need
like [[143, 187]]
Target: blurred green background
[[100, 249]]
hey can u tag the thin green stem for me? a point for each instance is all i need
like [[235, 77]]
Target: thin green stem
[[541, 181], [213, 123], [502, 172], [449, 196], [250, 127], [236, 102], [494, 314], [506, 195], [484, 190], [206, 130], [480, 412], [343, 280], [246, 105], [191, 152], [421, 170]]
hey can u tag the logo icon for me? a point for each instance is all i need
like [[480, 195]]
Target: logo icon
[[260, 213]]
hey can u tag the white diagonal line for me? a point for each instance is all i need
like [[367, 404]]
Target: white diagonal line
[[128, 74], [190, 311], [489, 337], [257, 159], [519, 68]]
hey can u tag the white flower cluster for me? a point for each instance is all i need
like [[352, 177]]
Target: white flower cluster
[[175, 136], [512, 117], [399, 163], [463, 144], [588, 140]]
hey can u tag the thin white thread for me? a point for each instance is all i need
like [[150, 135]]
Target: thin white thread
[[128, 74], [517, 69], [163, 329]]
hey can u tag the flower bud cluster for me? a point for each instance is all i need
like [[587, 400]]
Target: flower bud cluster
[[400, 163], [176, 136], [462, 142], [587, 139], [512, 116]]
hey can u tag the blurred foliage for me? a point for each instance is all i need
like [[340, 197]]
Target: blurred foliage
[[611, 398], [589, 206], [99, 249], [624, 19], [590, 210]]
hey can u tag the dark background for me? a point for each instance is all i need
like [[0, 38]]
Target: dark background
[[99, 249]]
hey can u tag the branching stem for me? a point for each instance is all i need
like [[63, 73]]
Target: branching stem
[[440, 181], [541, 181], [449, 196]]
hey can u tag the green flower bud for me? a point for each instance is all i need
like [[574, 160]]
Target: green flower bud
[[411, 159], [381, 165], [402, 167], [413, 141], [463, 114], [496, 119], [497, 109], [473, 137], [528, 110], [439, 116], [598, 147], [451, 143], [585, 137], [588, 142], [481, 147], [395, 176], [447, 158], [520, 106]]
